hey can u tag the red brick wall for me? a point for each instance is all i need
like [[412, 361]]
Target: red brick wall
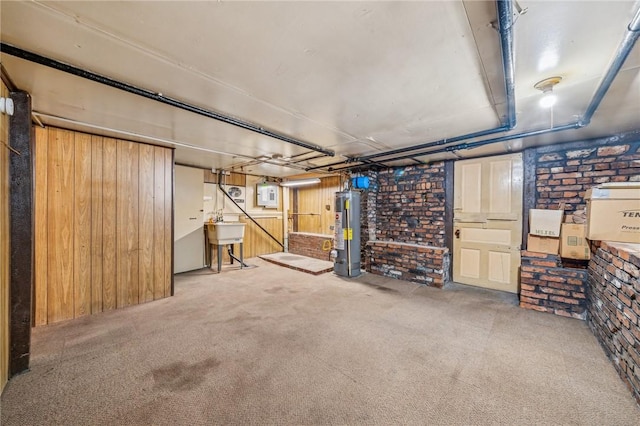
[[614, 308], [403, 224], [410, 262], [368, 213], [565, 172], [410, 204], [548, 287], [310, 245]]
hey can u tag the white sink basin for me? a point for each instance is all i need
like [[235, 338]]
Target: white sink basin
[[225, 233]]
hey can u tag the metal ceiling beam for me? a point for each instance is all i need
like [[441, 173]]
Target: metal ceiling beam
[[622, 53], [505, 22], [505, 28], [470, 145], [158, 97], [630, 38]]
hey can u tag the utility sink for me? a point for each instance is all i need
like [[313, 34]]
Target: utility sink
[[225, 233]]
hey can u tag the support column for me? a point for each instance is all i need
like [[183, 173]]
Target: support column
[[528, 190], [21, 232], [449, 170]]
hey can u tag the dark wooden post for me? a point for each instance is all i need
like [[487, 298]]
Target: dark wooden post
[[21, 232]]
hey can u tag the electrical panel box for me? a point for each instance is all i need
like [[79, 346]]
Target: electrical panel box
[[267, 195]]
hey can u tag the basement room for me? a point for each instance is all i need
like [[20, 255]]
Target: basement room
[[320, 213]]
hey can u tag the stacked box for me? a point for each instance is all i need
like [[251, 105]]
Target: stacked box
[[544, 231], [613, 212]]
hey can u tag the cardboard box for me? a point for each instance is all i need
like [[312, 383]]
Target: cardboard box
[[545, 223], [573, 242], [617, 191], [539, 244], [613, 214]]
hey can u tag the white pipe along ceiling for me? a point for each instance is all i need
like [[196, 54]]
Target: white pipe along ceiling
[[280, 88]]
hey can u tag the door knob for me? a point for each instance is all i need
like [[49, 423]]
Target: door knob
[[457, 233]]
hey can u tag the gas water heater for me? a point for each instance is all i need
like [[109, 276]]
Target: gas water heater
[[347, 238]]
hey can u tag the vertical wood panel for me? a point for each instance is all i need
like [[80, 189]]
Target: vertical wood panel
[[109, 224], [96, 224], [159, 224], [41, 254], [146, 222], [168, 222], [4, 246], [314, 200], [82, 226], [127, 229], [103, 224], [60, 226], [256, 242]]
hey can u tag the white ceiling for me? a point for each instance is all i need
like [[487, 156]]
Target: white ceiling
[[354, 77]]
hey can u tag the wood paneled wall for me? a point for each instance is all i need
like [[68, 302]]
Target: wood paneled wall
[[4, 244], [256, 242], [312, 201], [103, 224], [231, 179]]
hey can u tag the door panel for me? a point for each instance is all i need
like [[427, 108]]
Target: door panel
[[488, 222], [470, 194], [470, 263], [486, 236], [500, 194], [499, 267]]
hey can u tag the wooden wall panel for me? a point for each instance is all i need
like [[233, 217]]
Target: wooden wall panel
[[168, 223], [313, 215], [41, 254], [145, 223], [109, 224], [256, 242], [4, 245], [60, 225], [103, 224], [82, 226], [158, 223], [96, 224], [127, 230], [230, 179]]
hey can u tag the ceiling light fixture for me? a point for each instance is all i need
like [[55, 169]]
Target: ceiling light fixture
[[546, 86], [300, 182]]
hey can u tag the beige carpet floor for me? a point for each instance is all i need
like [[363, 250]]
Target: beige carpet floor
[[269, 345]]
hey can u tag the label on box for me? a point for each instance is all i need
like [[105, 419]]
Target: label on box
[[545, 223]]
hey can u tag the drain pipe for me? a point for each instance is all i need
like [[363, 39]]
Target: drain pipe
[[623, 51], [505, 21], [159, 97]]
